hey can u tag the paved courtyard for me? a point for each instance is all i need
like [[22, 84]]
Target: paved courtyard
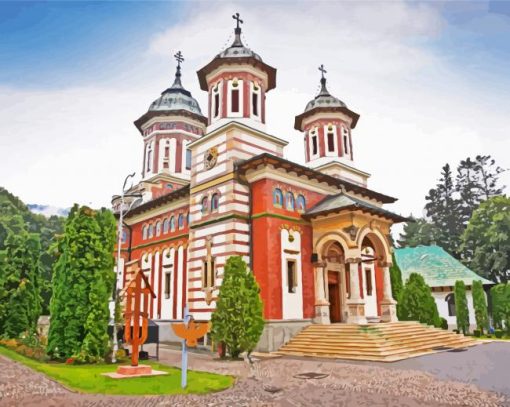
[[269, 382]]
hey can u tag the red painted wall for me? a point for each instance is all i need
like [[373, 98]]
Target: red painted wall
[[266, 242]]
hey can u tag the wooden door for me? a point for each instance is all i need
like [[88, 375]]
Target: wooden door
[[334, 296]]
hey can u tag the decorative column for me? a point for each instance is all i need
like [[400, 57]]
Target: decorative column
[[355, 304], [321, 303], [388, 304]]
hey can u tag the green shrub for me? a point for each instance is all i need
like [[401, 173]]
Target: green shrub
[[477, 333], [396, 279], [444, 324], [480, 306], [498, 333], [500, 294], [461, 307], [416, 302], [238, 321]]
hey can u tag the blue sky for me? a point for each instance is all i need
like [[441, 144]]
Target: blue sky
[[47, 44], [430, 80]]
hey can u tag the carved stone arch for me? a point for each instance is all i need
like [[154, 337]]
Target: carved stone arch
[[329, 238], [378, 240]]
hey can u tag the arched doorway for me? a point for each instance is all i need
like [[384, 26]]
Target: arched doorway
[[334, 258]]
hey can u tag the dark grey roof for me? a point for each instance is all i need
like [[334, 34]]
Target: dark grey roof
[[343, 201], [324, 99], [176, 98], [238, 49]]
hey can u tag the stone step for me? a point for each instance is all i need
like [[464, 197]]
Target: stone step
[[383, 341]]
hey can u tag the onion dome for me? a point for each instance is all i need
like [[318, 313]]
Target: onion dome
[[174, 100], [237, 53], [325, 102]]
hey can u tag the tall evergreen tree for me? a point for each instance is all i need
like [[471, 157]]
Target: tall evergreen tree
[[20, 278], [396, 278], [82, 285], [443, 210], [480, 306], [418, 232], [488, 176], [461, 307], [238, 321]]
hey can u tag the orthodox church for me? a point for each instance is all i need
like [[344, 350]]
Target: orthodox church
[[215, 184]]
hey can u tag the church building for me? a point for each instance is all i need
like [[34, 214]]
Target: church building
[[215, 184]]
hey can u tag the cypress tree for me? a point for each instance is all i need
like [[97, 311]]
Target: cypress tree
[[21, 293], [416, 302], [396, 278], [461, 307], [82, 284], [480, 305], [238, 321]]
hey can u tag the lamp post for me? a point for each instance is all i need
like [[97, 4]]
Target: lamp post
[[118, 272]]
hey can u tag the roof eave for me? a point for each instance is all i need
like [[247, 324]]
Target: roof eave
[[298, 121], [181, 112], [385, 214], [216, 62]]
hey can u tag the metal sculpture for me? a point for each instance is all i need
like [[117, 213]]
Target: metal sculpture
[[137, 292], [189, 331]]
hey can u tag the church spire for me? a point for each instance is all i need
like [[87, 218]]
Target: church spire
[[177, 81], [237, 31], [324, 90]]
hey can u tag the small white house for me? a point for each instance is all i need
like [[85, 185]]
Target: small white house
[[440, 271]]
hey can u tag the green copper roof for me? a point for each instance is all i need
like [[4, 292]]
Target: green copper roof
[[437, 267]]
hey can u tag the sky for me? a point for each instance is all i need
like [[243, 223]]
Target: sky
[[429, 79]]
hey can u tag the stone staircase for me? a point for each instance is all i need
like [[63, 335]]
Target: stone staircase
[[385, 342]]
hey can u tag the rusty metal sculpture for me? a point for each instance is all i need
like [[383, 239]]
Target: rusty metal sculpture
[[137, 294], [189, 331]]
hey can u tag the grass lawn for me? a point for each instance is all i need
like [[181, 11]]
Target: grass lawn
[[88, 378]]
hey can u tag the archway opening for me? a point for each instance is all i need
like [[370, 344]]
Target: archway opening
[[334, 257], [371, 274]]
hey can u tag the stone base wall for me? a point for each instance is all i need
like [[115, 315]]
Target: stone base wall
[[277, 333]]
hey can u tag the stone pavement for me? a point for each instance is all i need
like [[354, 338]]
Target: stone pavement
[[267, 383]]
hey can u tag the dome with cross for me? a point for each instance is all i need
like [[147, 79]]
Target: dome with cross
[[176, 97], [324, 98]]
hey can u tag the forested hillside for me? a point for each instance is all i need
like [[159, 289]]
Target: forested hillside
[[15, 217]]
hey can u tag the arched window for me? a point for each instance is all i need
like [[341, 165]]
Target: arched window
[[181, 221], [450, 299], [277, 197], [215, 201], [158, 228], [144, 232], [172, 224], [204, 205], [151, 230], [165, 226], [289, 201], [301, 203]]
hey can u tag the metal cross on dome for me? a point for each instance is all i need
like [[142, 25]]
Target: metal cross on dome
[[238, 20], [179, 58], [323, 70]]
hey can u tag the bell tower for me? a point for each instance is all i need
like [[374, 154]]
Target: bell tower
[[237, 81], [327, 124], [173, 121]]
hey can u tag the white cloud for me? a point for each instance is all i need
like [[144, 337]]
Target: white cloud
[[417, 111]]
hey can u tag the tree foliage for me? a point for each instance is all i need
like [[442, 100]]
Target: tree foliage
[[15, 217], [20, 284], [396, 278], [418, 232], [486, 239], [82, 285], [461, 307], [238, 321], [500, 295], [443, 209], [480, 306], [416, 302]]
